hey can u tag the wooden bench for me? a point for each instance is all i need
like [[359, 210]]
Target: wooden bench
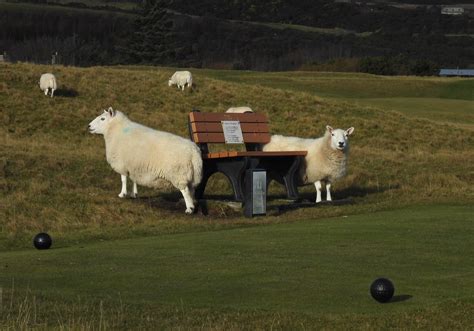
[[207, 128]]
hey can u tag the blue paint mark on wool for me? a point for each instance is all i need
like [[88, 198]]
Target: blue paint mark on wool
[[126, 130]]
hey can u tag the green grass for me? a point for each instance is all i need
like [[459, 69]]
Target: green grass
[[316, 269], [410, 182], [440, 99]]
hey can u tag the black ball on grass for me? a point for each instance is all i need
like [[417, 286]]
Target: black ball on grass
[[42, 241], [382, 290]]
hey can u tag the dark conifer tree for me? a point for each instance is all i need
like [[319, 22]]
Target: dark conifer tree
[[154, 41]]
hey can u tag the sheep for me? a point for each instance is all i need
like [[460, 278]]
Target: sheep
[[326, 160], [148, 156], [48, 81], [180, 79], [239, 110]]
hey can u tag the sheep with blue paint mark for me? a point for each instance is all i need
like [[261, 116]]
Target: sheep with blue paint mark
[[148, 156]]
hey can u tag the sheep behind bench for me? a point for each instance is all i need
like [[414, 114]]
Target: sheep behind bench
[[326, 160]]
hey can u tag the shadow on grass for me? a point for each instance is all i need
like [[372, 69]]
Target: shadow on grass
[[66, 93], [400, 298], [358, 191], [218, 206], [224, 204], [344, 194]]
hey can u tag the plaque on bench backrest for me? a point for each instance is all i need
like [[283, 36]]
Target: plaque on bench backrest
[[232, 132]]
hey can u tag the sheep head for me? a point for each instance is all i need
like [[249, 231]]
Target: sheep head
[[339, 138], [100, 124]]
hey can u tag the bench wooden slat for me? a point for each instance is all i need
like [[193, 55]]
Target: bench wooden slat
[[219, 138], [208, 127], [216, 155], [217, 117]]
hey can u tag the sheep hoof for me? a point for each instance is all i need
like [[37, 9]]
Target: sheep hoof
[[134, 196], [318, 201], [122, 195], [189, 210]]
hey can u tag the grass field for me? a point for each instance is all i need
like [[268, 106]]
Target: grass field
[[302, 271], [141, 263]]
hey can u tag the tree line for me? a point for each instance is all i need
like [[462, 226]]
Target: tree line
[[157, 35]]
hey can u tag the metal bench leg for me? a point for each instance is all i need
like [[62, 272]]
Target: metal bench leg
[[290, 179], [199, 191], [235, 172]]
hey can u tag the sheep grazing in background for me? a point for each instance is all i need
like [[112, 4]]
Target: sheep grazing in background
[[239, 110], [48, 81], [326, 160], [181, 78], [148, 156]]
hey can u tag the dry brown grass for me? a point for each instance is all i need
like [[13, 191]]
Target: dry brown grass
[[54, 176]]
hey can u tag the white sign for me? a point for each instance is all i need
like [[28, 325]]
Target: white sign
[[259, 192], [232, 132]]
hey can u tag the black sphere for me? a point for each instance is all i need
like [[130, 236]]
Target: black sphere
[[382, 290], [42, 241]]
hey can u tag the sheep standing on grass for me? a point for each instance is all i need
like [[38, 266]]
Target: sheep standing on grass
[[48, 81], [326, 160], [239, 110], [180, 79], [148, 156]]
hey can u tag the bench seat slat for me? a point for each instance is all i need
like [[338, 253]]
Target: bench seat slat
[[223, 154]]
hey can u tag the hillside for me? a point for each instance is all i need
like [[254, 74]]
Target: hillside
[[238, 35], [55, 176]]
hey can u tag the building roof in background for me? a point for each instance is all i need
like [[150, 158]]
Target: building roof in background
[[457, 72]]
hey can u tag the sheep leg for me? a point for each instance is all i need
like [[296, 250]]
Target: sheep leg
[[52, 92], [135, 190], [46, 92], [123, 193], [328, 191], [318, 191], [188, 199]]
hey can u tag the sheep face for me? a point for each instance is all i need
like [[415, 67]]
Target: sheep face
[[100, 123], [170, 82], [339, 138]]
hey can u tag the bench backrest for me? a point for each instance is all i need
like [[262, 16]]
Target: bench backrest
[[207, 128]]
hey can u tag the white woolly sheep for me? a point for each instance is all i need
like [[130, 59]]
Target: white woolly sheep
[[180, 79], [326, 160], [48, 81], [239, 110], [148, 156]]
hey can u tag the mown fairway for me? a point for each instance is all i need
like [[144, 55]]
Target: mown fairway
[[144, 263], [304, 271]]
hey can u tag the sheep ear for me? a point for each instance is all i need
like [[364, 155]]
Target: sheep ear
[[111, 112], [349, 131], [329, 128]]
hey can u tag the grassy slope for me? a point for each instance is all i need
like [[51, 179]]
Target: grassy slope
[[55, 176], [439, 99], [302, 274]]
